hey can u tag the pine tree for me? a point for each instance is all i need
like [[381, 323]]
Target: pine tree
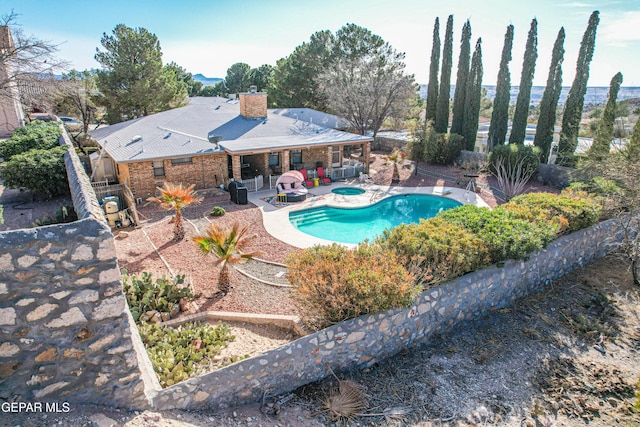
[[604, 133], [500, 116], [575, 100], [442, 113], [461, 79], [549, 101], [473, 97], [432, 89], [519, 125]]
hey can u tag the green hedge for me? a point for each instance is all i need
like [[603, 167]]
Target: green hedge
[[435, 250], [504, 235], [567, 213], [36, 135]]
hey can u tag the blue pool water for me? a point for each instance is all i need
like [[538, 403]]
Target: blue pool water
[[347, 191], [347, 225]]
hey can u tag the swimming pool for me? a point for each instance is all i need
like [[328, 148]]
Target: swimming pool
[[348, 191], [353, 225]]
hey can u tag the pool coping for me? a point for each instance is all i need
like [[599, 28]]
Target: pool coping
[[276, 220]]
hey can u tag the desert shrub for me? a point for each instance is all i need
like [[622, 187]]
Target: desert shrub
[[514, 153], [217, 211], [435, 251], [569, 212], [504, 235], [63, 215], [513, 165], [186, 351], [334, 283], [443, 148], [41, 171], [36, 135], [147, 296], [597, 186]]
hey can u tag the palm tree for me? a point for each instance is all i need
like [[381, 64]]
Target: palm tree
[[175, 197], [227, 245]]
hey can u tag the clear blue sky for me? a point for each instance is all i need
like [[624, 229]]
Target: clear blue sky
[[208, 36]]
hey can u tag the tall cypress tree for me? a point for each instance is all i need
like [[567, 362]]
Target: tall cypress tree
[[442, 113], [519, 126], [473, 97], [549, 101], [432, 89], [601, 144], [575, 100], [461, 79], [500, 115]]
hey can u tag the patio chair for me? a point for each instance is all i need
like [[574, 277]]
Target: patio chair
[[322, 176], [307, 181]]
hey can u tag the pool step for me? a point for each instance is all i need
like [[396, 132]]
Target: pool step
[[312, 217]]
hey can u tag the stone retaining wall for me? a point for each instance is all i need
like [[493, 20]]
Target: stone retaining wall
[[65, 332], [363, 341]]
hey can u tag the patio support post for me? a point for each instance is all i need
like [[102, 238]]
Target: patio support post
[[366, 152], [286, 156], [327, 161], [235, 167]]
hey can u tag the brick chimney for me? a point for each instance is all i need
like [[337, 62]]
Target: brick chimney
[[253, 104]]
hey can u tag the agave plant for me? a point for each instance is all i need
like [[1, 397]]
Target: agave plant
[[227, 244], [176, 197]]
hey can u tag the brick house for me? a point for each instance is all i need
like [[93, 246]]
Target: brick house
[[214, 139]]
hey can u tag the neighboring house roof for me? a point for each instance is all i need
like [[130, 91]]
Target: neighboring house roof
[[313, 116], [185, 132]]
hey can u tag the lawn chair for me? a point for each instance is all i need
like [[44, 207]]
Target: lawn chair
[[307, 181], [323, 178]]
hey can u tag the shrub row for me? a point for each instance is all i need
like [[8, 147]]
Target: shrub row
[[334, 283]]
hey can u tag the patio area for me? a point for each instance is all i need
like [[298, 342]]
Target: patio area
[[275, 216]]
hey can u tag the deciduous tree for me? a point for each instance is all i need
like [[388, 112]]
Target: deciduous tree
[[442, 113], [500, 116], [367, 83], [459, 96], [432, 88], [519, 125], [25, 58], [75, 92], [575, 100], [549, 101]]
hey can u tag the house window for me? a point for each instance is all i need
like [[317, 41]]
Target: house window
[[335, 156], [296, 156], [181, 161], [158, 168], [274, 159]]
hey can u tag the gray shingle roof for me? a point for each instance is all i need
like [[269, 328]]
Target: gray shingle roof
[[183, 132]]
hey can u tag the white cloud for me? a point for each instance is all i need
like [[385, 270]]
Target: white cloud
[[576, 4], [621, 29]]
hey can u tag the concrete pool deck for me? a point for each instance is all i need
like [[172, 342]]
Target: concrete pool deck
[[276, 219]]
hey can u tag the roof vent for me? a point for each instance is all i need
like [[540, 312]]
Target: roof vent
[[136, 138]]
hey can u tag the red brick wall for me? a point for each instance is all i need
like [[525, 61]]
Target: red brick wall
[[204, 171]]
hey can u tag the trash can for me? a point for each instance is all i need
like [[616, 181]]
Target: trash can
[[243, 197], [238, 193]]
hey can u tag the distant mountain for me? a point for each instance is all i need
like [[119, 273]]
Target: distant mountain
[[596, 95], [206, 81]]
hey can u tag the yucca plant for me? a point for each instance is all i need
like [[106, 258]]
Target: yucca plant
[[174, 198], [228, 245]]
